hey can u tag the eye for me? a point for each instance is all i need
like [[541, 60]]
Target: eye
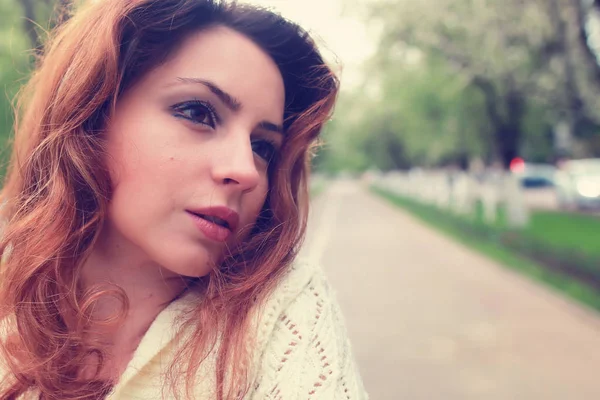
[[265, 149], [196, 111]]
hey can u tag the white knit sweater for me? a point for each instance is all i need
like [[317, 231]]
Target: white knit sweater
[[303, 351]]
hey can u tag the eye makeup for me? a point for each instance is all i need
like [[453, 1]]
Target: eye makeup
[[197, 112]]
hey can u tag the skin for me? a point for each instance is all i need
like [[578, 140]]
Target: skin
[[165, 158]]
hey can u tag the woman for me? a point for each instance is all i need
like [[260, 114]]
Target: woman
[[154, 206]]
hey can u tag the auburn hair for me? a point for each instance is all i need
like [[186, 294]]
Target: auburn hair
[[57, 190]]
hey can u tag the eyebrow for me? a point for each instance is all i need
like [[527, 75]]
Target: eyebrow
[[231, 102]]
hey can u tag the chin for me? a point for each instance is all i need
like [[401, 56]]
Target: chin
[[189, 264]]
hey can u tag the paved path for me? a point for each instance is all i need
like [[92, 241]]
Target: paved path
[[429, 319]]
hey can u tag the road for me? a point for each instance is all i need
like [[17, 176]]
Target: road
[[430, 319]]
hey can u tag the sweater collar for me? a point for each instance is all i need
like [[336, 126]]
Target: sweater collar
[[162, 331]]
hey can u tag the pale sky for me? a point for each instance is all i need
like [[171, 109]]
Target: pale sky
[[344, 41]]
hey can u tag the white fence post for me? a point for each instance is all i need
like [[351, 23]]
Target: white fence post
[[516, 212]]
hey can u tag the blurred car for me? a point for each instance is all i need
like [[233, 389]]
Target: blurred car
[[533, 175], [578, 184], [537, 182]]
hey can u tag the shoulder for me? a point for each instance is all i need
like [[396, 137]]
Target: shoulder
[[305, 350], [291, 285], [293, 297]]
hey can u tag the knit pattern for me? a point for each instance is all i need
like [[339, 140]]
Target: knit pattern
[[307, 353], [301, 352]]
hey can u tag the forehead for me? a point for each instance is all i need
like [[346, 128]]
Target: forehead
[[234, 63]]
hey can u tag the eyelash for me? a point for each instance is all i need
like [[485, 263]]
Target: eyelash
[[273, 147], [179, 108], [197, 105]]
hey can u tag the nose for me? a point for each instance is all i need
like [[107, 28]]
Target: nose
[[236, 166]]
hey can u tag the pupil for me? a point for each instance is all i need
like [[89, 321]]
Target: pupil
[[199, 113]]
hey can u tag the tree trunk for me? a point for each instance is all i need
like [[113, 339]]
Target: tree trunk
[[508, 133], [507, 144], [507, 124]]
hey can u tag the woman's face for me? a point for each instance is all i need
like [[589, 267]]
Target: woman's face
[[188, 152]]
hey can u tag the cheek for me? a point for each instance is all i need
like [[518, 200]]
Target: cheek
[[143, 181], [137, 179], [255, 201], [139, 153], [259, 198]]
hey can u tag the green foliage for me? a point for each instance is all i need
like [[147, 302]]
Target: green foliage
[[454, 80], [417, 114], [537, 144], [17, 55], [14, 61], [339, 150], [435, 114]]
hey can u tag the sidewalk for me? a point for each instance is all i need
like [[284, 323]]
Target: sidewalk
[[430, 319]]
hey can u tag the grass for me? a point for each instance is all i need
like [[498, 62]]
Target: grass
[[576, 234], [487, 240], [566, 231]]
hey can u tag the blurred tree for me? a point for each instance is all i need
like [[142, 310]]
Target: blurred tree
[[588, 20], [457, 79], [40, 15], [13, 61], [575, 100], [406, 113], [23, 25], [503, 49], [422, 105]]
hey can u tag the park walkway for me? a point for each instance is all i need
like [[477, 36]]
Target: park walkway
[[430, 319]]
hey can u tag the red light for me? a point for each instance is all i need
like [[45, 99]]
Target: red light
[[517, 165]]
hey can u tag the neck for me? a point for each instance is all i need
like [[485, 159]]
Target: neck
[[116, 263], [149, 287]]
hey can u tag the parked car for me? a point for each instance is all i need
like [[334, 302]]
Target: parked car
[[533, 175], [578, 184]]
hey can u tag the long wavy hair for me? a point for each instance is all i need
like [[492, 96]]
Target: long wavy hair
[[57, 190]]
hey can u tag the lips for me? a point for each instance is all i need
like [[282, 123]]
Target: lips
[[215, 220], [221, 216]]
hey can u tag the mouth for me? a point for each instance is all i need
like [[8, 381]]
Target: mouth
[[214, 219], [220, 216]]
